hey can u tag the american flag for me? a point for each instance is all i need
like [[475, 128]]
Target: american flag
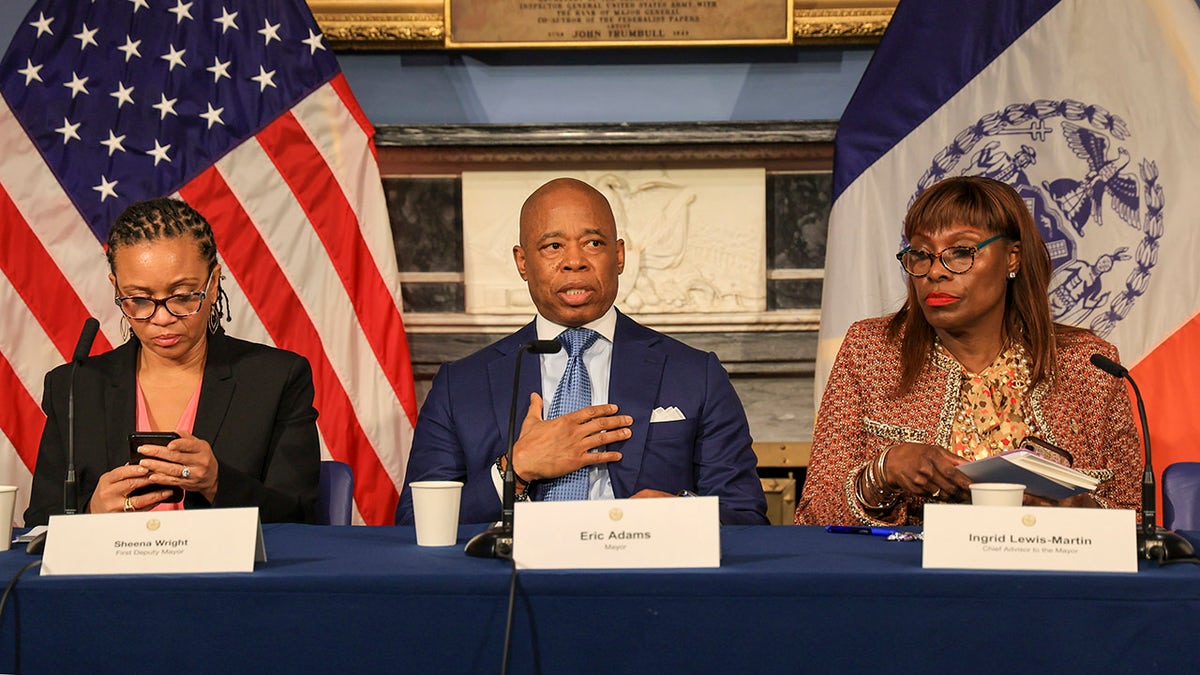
[[240, 109]]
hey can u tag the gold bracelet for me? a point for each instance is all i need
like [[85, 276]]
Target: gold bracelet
[[872, 504], [881, 475], [882, 498]]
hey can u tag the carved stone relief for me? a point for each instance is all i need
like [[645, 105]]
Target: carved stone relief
[[695, 239]]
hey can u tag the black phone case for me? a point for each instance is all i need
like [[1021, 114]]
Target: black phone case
[[140, 438]]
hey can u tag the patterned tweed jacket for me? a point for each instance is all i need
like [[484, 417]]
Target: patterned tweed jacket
[[1083, 410]]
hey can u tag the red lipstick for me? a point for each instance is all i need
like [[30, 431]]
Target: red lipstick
[[940, 299]]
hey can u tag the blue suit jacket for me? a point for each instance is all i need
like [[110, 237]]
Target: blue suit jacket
[[463, 425]]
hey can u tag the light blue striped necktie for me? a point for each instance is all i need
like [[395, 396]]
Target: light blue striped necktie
[[574, 392]]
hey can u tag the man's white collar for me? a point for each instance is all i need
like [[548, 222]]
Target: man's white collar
[[606, 326]]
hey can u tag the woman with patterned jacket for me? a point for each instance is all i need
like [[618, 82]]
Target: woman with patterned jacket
[[969, 366]]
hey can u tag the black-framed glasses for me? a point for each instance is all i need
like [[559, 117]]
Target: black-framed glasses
[[957, 259], [181, 305]]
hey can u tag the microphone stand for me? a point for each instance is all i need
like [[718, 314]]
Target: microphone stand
[[496, 541], [70, 484], [1153, 542]]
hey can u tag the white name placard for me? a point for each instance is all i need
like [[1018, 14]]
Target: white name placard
[[154, 542], [1029, 538], [617, 534]]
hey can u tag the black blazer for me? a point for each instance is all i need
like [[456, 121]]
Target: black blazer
[[255, 410]]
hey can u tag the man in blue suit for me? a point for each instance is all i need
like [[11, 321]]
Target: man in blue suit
[[664, 419]]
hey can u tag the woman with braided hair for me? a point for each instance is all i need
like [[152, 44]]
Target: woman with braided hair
[[243, 411]]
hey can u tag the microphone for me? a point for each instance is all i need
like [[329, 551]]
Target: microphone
[[496, 541], [1154, 543], [70, 486]]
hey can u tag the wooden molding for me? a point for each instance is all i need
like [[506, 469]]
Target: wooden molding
[[451, 149]]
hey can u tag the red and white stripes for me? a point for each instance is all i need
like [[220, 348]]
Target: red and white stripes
[[302, 230]]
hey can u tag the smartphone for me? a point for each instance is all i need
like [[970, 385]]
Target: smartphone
[[1047, 450], [140, 438]]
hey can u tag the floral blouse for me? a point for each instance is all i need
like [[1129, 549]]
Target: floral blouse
[[994, 412]]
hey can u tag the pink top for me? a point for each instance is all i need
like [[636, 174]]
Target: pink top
[[186, 421]]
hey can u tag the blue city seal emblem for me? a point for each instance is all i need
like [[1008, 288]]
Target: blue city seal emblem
[[1098, 205]]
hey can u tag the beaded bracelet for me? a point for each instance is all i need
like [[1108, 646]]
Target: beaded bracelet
[[500, 467], [522, 494]]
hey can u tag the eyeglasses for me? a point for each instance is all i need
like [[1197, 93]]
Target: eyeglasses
[[181, 305], [957, 259]]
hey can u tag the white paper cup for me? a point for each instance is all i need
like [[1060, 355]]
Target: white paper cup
[[435, 508], [997, 494], [8, 502]]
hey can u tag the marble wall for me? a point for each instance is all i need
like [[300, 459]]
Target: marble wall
[[770, 358]]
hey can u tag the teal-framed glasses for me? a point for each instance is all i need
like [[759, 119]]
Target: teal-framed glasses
[[957, 259]]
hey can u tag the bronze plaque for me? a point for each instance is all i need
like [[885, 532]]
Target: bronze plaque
[[584, 23]]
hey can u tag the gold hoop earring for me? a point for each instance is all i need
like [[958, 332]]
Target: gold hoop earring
[[126, 329]]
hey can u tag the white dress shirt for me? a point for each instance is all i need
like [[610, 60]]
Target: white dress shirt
[[598, 361]]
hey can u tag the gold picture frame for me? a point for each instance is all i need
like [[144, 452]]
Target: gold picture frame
[[421, 24], [521, 24]]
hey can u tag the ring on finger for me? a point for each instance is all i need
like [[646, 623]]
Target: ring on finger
[[936, 493], [128, 504], [185, 473]]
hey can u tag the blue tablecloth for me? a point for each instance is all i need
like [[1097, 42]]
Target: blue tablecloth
[[785, 599]]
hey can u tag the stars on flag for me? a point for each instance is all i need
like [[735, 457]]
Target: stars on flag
[[265, 78], [159, 153], [69, 131], [219, 69], [227, 20], [31, 72], [106, 188], [269, 31], [165, 106], [123, 95], [314, 42], [43, 24], [86, 37], [130, 48], [174, 58], [182, 11], [61, 82], [77, 85], [114, 143], [213, 116]]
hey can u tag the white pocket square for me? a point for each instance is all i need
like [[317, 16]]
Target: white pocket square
[[670, 414]]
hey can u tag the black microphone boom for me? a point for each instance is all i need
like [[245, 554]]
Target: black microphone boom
[[1154, 543], [70, 485], [496, 541], [1149, 499], [87, 336]]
